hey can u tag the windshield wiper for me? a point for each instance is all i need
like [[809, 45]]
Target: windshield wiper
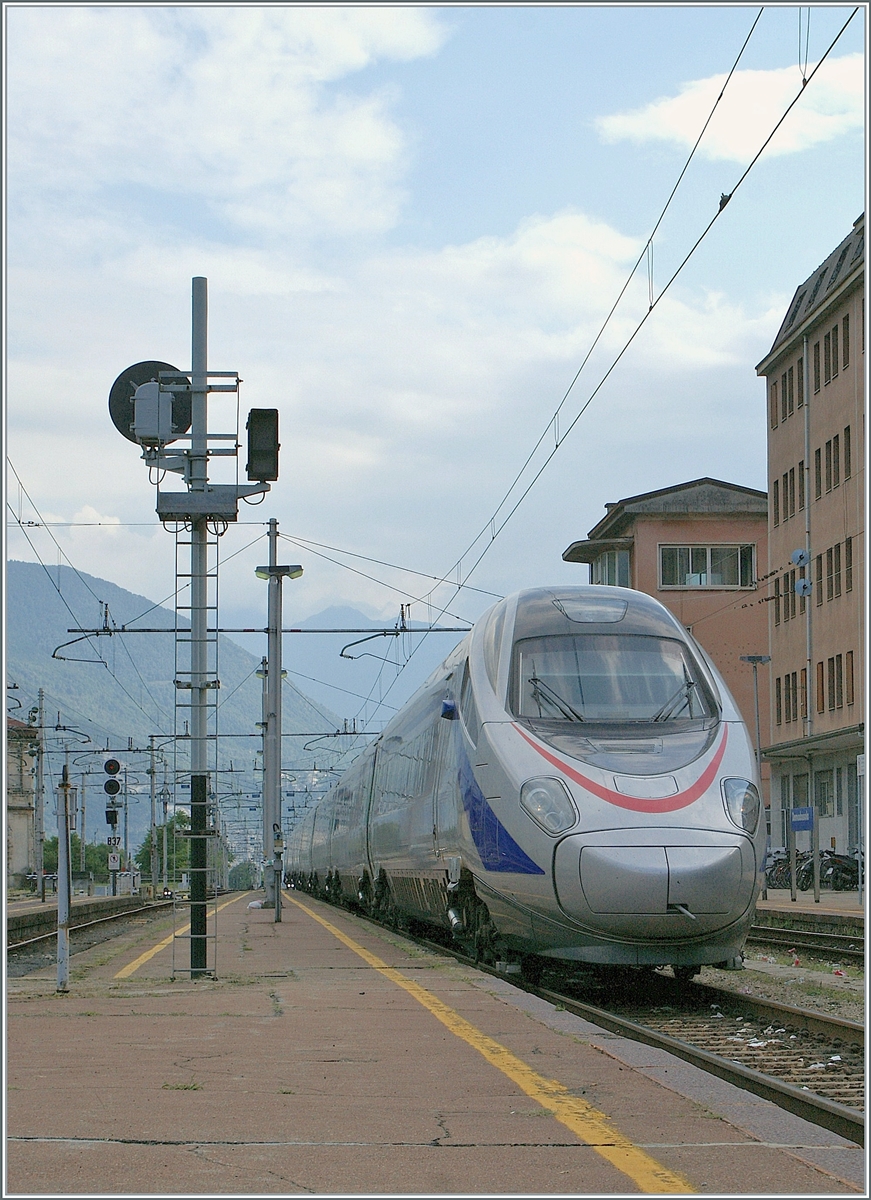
[[676, 702], [543, 691]]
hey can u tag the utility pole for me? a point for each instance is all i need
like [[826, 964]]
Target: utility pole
[[153, 818], [197, 482], [268, 879], [39, 798], [272, 733], [153, 404], [64, 882], [82, 859], [164, 795]]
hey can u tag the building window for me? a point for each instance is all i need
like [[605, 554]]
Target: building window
[[801, 484], [773, 399], [821, 688], [819, 586], [775, 501], [818, 473], [845, 342], [848, 565], [824, 793], [778, 701], [828, 466], [836, 461], [802, 600], [839, 791], [830, 671], [803, 691], [848, 454], [848, 677], [611, 568], [792, 593], [799, 383], [827, 358], [839, 681], [783, 397], [837, 568], [835, 352], [790, 389], [706, 566], [785, 494], [830, 573], [816, 366], [777, 601], [792, 491]]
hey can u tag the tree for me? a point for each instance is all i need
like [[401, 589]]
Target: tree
[[96, 857], [178, 849]]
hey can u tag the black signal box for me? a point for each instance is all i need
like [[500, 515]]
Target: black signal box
[[262, 426]]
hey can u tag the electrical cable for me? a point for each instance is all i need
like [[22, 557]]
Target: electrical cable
[[725, 198], [647, 251]]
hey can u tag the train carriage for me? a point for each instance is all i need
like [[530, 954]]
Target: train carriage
[[573, 782]]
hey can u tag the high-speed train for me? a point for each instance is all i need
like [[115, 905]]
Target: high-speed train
[[574, 782]]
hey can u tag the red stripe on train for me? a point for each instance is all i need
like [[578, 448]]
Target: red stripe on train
[[667, 804]]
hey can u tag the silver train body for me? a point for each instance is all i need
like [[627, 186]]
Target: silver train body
[[574, 782]]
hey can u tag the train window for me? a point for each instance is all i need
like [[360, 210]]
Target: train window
[[493, 641], [468, 708], [601, 677]]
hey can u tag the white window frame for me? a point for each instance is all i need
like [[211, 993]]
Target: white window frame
[[707, 547]]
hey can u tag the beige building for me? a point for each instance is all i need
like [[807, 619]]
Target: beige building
[[699, 548], [815, 373], [20, 742]]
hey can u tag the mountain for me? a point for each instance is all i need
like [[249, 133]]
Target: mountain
[[118, 689]]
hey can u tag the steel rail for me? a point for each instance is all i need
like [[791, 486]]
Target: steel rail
[[127, 912], [804, 939], [847, 1122]]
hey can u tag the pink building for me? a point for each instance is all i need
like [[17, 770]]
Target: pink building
[[698, 548]]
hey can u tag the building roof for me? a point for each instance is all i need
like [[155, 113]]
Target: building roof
[[14, 726], [698, 498], [845, 263]]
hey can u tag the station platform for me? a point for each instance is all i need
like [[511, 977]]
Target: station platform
[[330, 1056], [780, 900]]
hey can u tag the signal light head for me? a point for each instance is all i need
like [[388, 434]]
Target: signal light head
[[111, 766], [111, 787]]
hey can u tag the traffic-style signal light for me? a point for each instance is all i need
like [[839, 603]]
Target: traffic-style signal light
[[262, 426], [112, 817], [112, 786]]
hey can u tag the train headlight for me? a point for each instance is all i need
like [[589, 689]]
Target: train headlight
[[742, 803], [549, 804]]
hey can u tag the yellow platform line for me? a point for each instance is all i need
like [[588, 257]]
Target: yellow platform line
[[591, 1126], [125, 972]]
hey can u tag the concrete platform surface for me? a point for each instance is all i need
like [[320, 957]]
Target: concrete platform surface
[[329, 1056]]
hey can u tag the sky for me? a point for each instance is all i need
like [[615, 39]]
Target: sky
[[414, 222]]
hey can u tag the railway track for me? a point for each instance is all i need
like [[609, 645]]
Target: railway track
[[845, 946], [808, 1063], [31, 954]]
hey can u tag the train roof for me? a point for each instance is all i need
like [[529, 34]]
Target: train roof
[[591, 608]]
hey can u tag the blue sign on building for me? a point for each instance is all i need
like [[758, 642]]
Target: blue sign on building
[[802, 818]]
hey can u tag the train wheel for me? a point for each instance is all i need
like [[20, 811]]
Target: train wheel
[[685, 974]]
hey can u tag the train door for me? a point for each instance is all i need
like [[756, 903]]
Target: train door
[[445, 786]]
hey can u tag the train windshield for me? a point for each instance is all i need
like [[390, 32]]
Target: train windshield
[[606, 678]]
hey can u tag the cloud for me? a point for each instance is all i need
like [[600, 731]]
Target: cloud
[[833, 104], [236, 107]]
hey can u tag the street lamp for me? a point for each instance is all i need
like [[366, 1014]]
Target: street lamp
[[755, 661]]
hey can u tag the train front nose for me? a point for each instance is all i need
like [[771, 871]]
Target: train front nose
[[661, 884]]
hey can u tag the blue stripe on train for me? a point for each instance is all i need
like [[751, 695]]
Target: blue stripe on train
[[495, 845]]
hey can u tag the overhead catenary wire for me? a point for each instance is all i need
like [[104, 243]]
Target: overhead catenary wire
[[491, 525]]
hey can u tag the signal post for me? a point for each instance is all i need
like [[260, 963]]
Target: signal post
[[153, 404]]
